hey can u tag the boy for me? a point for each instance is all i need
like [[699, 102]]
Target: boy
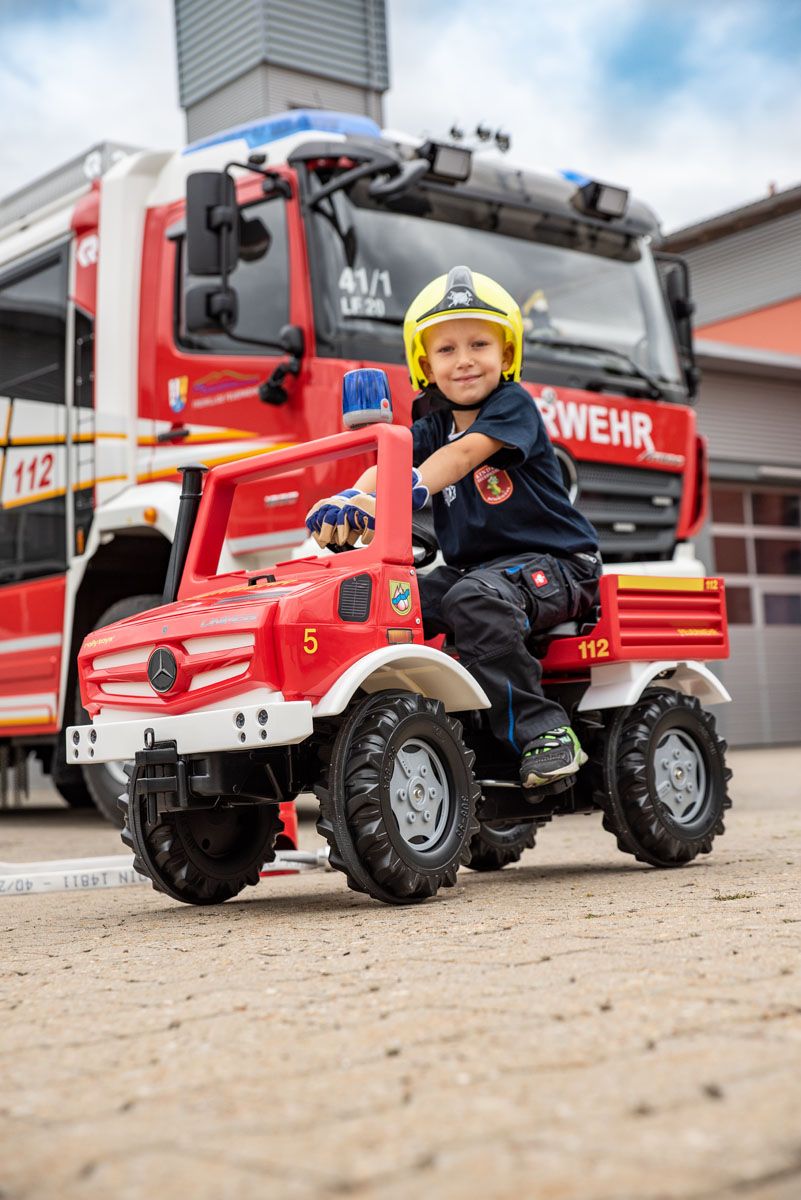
[[519, 558]]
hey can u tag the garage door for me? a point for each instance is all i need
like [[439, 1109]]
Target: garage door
[[756, 534]]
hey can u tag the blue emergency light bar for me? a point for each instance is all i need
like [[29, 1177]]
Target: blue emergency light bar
[[365, 397], [299, 120]]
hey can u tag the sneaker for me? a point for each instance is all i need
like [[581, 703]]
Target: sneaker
[[551, 756]]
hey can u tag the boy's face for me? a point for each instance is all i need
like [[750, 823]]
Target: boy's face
[[465, 358]]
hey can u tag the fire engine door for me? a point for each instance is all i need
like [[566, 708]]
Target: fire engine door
[[33, 486]]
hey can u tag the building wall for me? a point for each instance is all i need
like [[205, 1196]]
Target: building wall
[[265, 90], [243, 59], [747, 270]]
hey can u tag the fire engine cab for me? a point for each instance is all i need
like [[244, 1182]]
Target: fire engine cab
[[128, 350]]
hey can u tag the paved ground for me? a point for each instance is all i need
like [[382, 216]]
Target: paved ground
[[578, 1026]]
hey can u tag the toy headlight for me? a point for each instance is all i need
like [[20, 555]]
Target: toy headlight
[[365, 397]]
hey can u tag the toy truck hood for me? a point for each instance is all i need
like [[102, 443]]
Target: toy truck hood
[[215, 645]]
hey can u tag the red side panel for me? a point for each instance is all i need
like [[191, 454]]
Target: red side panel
[[31, 618], [645, 618]]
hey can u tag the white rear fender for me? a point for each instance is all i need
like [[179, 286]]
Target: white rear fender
[[408, 668], [621, 684]]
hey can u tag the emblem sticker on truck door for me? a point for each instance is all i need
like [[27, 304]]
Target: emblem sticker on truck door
[[400, 596]]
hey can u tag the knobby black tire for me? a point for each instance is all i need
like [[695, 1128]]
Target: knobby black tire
[[355, 814], [499, 843], [101, 783], [169, 852], [621, 763]]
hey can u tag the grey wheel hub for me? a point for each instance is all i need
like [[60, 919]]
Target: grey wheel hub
[[419, 795], [680, 776]]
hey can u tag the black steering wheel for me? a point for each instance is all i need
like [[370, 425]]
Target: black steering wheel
[[425, 546]]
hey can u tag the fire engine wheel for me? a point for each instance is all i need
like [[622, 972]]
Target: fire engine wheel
[[398, 799], [499, 843], [106, 781], [201, 857], [661, 778]]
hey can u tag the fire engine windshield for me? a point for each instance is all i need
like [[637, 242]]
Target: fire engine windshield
[[591, 300]]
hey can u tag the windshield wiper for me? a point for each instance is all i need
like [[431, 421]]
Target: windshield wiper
[[634, 370]]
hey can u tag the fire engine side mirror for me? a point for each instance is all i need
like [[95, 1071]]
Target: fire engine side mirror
[[674, 275], [212, 223], [209, 309]]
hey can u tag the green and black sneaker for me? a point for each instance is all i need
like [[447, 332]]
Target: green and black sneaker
[[551, 756]]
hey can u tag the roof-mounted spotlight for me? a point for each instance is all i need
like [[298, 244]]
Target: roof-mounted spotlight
[[601, 199], [449, 163]]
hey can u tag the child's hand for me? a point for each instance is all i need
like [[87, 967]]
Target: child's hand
[[321, 519], [356, 519], [420, 493]]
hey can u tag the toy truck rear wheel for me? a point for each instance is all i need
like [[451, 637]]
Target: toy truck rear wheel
[[205, 856], [661, 778], [499, 843], [397, 803]]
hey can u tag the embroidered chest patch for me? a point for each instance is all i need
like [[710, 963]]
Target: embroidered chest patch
[[539, 579], [494, 486]]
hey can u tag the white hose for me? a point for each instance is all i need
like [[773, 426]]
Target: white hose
[[110, 871]]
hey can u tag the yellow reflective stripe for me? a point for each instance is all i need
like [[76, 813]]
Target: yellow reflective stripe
[[51, 495], [659, 583], [54, 439], [5, 721], [217, 461]]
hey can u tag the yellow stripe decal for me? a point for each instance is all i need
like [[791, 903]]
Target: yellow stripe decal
[[167, 472], [658, 583], [4, 721], [35, 499], [53, 439]]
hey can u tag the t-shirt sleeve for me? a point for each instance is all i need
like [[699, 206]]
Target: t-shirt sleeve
[[511, 417], [424, 440]]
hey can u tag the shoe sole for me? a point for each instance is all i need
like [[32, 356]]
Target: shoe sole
[[562, 773]]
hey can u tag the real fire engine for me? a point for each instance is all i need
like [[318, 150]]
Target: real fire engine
[[120, 361]]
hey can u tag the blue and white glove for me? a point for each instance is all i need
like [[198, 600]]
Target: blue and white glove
[[321, 519], [420, 493], [356, 519], [343, 519]]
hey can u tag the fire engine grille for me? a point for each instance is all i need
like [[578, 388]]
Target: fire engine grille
[[354, 598], [634, 510]]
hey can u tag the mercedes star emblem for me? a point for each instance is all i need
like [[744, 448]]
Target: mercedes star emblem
[[162, 669]]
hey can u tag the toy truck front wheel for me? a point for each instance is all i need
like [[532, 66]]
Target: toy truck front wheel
[[199, 856], [398, 798]]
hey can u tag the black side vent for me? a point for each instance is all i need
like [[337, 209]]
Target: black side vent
[[354, 598]]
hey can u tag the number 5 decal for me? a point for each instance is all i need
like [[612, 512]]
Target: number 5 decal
[[309, 640]]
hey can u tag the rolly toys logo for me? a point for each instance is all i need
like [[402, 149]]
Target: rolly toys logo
[[400, 597]]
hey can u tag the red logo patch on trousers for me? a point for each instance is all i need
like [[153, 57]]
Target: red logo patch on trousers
[[539, 578]]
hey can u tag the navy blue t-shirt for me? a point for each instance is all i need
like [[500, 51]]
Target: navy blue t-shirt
[[513, 504]]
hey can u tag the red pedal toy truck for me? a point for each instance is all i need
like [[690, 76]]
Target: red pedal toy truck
[[249, 688]]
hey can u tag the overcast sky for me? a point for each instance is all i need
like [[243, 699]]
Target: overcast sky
[[693, 104]]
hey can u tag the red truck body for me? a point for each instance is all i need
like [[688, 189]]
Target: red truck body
[[118, 396]]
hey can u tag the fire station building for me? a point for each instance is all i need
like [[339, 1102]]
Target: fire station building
[[746, 278]]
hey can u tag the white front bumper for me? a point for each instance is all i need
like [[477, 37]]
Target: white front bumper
[[243, 727]]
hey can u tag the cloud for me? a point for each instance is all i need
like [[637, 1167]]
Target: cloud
[[77, 72], [694, 106], [718, 121]]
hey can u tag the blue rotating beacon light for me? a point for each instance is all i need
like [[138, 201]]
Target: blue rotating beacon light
[[365, 397]]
